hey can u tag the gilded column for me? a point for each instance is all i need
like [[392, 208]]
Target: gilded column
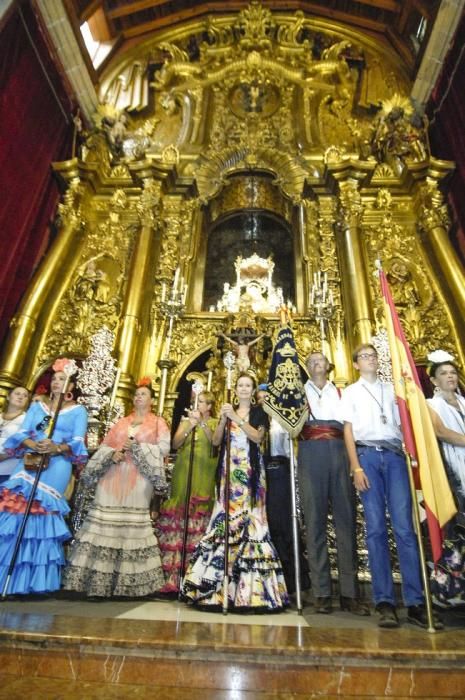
[[434, 221], [137, 301], [355, 277], [29, 324]]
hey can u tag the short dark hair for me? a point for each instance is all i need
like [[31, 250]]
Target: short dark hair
[[436, 365], [359, 348]]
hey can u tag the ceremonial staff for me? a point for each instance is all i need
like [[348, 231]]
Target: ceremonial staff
[[197, 389], [229, 364], [69, 369]]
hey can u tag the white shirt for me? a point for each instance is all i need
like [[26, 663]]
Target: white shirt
[[279, 440], [7, 429], [325, 403], [364, 403]]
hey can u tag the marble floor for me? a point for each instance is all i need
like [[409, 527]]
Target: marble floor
[[173, 610]]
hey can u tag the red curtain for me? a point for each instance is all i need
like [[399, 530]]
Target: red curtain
[[446, 110], [34, 131]]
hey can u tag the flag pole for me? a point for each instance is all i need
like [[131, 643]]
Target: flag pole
[[421, 547], [295, 528], [229, 364], [197, 389]]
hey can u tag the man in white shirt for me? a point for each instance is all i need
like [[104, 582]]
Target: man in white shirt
[[374, 444], [324, 479]]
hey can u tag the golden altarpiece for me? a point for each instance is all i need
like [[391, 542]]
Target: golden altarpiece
[[256, 135]]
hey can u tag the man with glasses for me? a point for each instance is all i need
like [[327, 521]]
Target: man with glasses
[[324, 479], [374, 444]]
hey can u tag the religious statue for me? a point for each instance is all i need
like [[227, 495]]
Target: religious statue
[[241, 348]]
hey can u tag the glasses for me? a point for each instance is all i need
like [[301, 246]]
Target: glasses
[[43, 423], [367, 355]]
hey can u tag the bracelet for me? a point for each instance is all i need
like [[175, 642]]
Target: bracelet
[[203, 425], [241, 422], [186, 435], [354, 471]]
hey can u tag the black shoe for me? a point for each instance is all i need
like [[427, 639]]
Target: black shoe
[[354, 606], [417, 615], [323, 606], [387, 616]]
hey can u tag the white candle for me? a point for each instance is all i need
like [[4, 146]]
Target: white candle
[[209, 380], [176, 279], [163, 291]]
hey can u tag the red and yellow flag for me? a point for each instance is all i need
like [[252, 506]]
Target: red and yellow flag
[[417, 428]]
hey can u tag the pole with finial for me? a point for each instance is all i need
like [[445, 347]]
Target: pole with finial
[[229, 364]]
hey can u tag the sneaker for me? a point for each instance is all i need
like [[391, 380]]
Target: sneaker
[[387, 616], [417, 615]]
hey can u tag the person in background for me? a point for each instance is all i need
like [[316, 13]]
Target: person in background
[[276, 454], [325, 481], [169, 527], [115, 552], [11, 419], [41, 558], [374, 444], [447, 408]]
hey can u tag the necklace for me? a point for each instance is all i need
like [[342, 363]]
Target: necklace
[[383, 416]]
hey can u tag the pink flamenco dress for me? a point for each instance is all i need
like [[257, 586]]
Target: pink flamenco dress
[[169, 526], [41, 558], [115, 552]]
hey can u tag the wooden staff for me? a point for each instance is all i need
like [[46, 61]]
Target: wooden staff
[[197, 389], [229, 364], [69, 370]]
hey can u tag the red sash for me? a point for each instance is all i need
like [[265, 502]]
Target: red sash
[[320, 432]]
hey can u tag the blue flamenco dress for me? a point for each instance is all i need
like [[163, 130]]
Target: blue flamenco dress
[[41, 557]]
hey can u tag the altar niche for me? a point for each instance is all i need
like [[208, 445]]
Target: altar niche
[[242, 234]]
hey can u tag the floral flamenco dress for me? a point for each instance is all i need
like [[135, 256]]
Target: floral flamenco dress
[[447, 581], [40, 558], [256, 580], [115, 552], [169, 526]]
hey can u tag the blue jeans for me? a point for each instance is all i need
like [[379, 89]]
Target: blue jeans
[[389, 485]]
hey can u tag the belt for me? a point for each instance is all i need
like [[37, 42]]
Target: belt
[[379, 448], [320, 432]]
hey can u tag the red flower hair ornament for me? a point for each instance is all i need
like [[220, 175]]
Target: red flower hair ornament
[[144, 381]]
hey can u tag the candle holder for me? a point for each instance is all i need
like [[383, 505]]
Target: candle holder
[[321, 304], [172, 305]]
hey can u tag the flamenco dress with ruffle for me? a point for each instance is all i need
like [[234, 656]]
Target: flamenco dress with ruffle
[[115, 552], [169, 526], [256, 580], [41, 557]]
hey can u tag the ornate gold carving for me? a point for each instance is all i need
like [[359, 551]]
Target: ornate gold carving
[[411, 284]]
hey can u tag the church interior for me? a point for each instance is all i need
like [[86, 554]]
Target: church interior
[[174, 174]]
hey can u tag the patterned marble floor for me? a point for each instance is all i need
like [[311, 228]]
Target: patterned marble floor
[[180, 612]]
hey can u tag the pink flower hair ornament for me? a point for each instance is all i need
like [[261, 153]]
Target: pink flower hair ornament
[[66, 365]]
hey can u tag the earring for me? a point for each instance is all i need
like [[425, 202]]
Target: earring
[[235, 400], [69, 396], [437, 390], [253, 400]]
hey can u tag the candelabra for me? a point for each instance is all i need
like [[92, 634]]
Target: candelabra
[[172, 305], [321, 304], [95, 379]]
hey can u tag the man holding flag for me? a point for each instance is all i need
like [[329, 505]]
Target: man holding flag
[[285, 401]]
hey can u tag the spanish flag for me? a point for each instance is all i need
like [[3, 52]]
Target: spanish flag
[[417, 428]]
